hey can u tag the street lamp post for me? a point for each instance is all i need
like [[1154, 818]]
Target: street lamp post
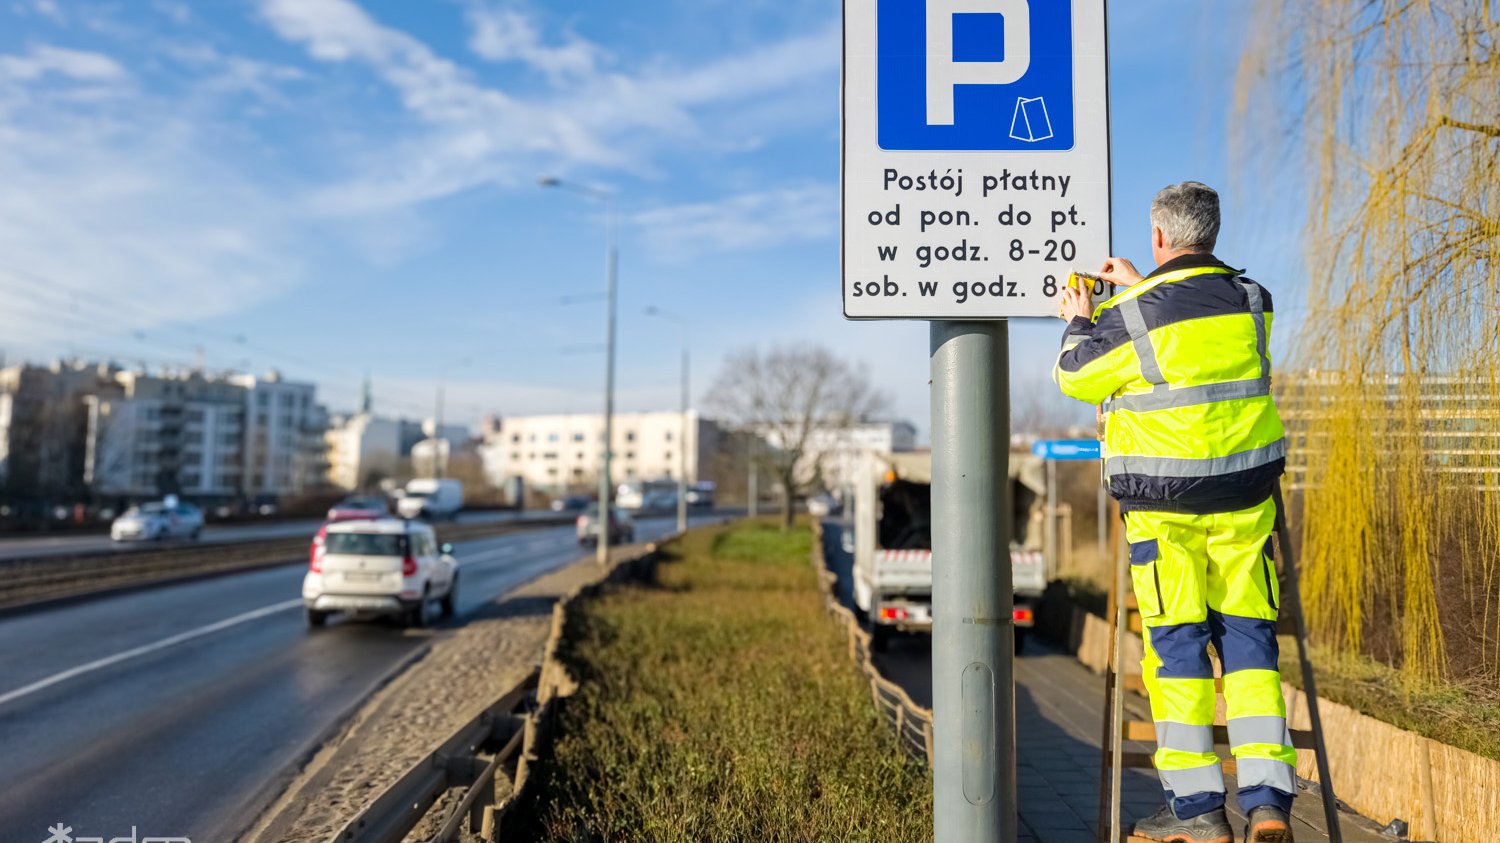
[[439, 459], [611, 263], [682, 444]]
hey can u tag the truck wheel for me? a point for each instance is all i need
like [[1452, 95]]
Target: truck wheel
[[316, 619], [880, 637], [1020, 640]]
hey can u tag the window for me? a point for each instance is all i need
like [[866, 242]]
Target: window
[[578, 437], [515, 456], [515, 439], [669, 436], [550, 455], [366, 544], [667, 456], [531, 438], [552, 437], [630, 455], [630, 436]]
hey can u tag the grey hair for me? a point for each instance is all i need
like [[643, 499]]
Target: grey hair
[[1188, 216]]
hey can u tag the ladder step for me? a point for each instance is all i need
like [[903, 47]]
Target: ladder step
[[1136, 682], [1142, 761], [1142, 730]]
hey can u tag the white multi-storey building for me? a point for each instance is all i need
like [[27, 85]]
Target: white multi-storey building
[[564, 453], [362, 450], [151, 435], [284, 447]]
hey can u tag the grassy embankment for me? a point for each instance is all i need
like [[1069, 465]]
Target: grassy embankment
[[720, 704]]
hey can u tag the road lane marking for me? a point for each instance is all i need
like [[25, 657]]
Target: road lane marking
[[144, 649]]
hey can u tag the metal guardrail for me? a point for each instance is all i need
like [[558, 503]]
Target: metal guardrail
[[28, 580], [522, 719], [912, 722], [458, 762]]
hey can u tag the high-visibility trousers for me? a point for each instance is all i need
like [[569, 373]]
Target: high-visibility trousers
[[1201, 580]]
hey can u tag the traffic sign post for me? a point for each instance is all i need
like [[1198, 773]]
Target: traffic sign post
[[1063, 450], [975, 173]]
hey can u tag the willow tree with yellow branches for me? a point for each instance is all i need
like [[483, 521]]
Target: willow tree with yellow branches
[[1392, 109]]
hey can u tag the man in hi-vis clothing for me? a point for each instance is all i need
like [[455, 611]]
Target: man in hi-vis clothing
[[1192, 450]]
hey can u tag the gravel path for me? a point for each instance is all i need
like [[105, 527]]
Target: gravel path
[[465, 670]]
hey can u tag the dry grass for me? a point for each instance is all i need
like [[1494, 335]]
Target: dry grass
[[720, 705]]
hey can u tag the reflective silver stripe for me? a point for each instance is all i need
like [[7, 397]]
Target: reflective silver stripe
[[1184, 738], [1206, 467], [1130, 311], [1254, 772], [1165, 399], [1258, 313], [1268, 729], [1208, 779], [1072, 342]]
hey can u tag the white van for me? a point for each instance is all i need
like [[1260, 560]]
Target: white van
[[433, 500], [374, 568]]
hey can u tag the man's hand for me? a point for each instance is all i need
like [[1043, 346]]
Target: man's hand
[[1076, 302], [1119, 272]]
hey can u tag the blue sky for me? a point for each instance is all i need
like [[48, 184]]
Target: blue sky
[[332, 187]]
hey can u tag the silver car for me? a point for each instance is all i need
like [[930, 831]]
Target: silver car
[[158, 521]]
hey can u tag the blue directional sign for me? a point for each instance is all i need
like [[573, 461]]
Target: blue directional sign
[[1066, 449], [975, 75]]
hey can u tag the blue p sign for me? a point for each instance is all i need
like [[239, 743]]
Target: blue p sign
[[975, 74]]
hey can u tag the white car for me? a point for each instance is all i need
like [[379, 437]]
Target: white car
[[156, 521], [378, 568]]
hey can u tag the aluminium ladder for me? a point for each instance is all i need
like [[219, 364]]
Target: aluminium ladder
[[1113, 759]]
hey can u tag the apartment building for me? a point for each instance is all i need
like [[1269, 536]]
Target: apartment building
[[565, 452]]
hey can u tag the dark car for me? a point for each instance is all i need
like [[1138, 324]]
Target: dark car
[[359, 508], [570, 503]]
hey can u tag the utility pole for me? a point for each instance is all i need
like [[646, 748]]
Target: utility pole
[[437, 434], [973, 685], [754, 491], [611, 269]]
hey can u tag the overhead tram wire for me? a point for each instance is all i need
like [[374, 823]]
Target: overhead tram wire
[[108, 307]]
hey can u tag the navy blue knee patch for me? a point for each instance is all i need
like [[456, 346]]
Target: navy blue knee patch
[[1244, 643], [1183, 649]]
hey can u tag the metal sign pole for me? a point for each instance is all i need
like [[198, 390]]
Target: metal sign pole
[[1054, 541], [973, 685]]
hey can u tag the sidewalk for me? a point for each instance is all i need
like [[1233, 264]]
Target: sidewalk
[[1059, 706]]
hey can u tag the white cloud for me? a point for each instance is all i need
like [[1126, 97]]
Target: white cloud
[[501, 34], [120, 213], [43, 60], [475, 134], [779, 217]]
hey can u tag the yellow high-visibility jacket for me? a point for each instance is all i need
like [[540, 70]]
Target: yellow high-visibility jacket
[[1180, 362]]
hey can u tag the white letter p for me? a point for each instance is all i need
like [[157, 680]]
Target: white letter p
[[943, 72]]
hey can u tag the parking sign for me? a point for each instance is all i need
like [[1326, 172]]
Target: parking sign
[[975, 155]]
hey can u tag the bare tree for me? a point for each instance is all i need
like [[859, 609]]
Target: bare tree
[[792, 397]]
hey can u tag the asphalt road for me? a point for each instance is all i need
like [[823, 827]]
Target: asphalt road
[[176, 709], [14, 547]]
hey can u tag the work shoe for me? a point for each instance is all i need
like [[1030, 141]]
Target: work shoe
[[1268, 824], [1164, 826]]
